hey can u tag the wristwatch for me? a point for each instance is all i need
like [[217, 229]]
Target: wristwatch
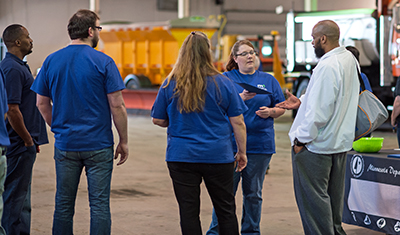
[[298, 143]]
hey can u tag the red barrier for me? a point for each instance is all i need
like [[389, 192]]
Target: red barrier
[[139, 99]]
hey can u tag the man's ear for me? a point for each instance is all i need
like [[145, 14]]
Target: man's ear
[[90, 32], [324, 39], [17, 42]]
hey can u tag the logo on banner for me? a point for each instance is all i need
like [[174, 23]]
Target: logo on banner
[[381, 223], [357, 165], [397, 227], [367, 220], [354, 216]]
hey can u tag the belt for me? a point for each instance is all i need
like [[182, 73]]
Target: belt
[[3, 150]]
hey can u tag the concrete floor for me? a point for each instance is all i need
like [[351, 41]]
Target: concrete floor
[[142, 198]]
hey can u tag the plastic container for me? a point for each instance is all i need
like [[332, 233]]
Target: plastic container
[[368, 144]]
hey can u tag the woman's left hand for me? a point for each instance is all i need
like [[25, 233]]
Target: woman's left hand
[[264, 112]]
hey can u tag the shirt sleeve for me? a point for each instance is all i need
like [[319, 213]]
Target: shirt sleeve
[[40, 84], [322, 94], [14, 81], [159, 109], [113, 80], [278, 94], [236, 104]]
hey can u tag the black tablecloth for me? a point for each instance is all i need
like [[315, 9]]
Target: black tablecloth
[[372, 191]]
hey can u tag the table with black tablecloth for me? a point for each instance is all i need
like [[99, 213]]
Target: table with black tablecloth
[[372, 191]]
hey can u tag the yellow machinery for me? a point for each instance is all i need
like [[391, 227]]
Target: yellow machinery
[[146, 52]]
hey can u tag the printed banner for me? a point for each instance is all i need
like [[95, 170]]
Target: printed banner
[[372, 192]]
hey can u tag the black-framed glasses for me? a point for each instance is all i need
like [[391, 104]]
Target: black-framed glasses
[[246, 53], [99, 28]]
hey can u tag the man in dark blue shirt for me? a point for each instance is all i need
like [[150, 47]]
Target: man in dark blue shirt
[[26, 129]]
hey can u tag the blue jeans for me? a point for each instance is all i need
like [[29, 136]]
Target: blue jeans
[[218, 178], [17, 192], [252, 182], [3, 173], [98, 166]]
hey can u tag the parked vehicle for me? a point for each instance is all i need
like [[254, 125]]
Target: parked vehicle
[[146, 52], [375, 35]]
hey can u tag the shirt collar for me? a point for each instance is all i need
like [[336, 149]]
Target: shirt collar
[[336, 50], [14, 57]]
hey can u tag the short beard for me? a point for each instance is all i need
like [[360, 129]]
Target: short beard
[[319, 52], [95, 41]]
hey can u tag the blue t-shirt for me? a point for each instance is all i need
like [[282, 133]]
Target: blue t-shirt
[[200, 137], [18, 80], [78, 78], [4, 140], [260, 131]]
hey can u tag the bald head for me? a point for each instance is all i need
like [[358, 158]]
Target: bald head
[[328, 28], [325, 36]]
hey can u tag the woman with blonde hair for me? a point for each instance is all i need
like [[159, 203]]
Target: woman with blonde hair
[[259, 120], [201, 108]]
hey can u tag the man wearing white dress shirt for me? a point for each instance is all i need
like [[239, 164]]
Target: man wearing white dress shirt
[[323, 131]]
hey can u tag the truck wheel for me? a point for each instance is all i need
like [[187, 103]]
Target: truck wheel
[[133, 82]]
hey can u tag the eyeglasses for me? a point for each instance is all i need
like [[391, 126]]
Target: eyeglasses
[[99, 28], [246, 53]]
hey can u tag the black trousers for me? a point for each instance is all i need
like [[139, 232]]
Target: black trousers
[[218, 178]]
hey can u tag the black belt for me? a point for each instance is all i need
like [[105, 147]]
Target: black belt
[[3, 150]]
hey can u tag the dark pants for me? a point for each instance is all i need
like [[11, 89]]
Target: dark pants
[[398, 131], [17, 192], [319, 189], [218, 178]]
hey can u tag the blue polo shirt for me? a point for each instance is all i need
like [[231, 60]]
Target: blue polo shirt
[[4, 140], [260, 131], [200, 137], [18, 80]]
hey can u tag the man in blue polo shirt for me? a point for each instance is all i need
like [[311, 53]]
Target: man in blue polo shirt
[[4, 142], [26, 130]]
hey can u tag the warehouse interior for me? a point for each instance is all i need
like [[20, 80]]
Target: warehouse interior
[[142, 197]]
